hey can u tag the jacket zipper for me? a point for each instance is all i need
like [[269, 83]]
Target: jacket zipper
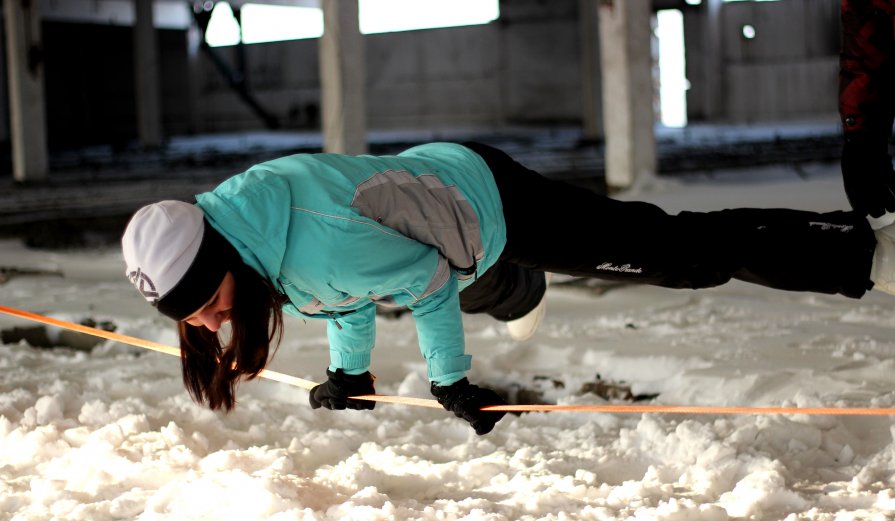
[[333, 315]]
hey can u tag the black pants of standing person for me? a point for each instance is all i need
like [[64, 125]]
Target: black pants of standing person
[[556, 227]]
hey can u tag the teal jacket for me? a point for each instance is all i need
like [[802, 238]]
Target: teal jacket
[[339, 235]]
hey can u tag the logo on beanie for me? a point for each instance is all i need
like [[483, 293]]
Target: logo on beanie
[[144, 285]]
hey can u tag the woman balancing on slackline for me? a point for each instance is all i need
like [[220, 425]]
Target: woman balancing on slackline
[[439, 229]]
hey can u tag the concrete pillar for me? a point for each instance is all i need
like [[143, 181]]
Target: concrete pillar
[[628, 118], [147, 72], [342, 79], [195, 69], [714, 60], [26, 90], [591, 88]]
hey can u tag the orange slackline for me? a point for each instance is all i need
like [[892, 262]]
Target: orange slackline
[[139, 342], [422, 402]]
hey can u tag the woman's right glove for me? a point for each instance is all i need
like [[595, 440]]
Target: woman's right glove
[[335, 393], [465, 400]]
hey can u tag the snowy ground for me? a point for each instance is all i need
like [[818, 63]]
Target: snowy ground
[[111, 434]]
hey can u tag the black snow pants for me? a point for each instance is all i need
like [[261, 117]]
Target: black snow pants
[[556, 227]]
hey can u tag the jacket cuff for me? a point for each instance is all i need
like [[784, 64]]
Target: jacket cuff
[[351, 363], [445, 371]]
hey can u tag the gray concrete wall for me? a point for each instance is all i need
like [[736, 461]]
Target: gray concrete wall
[[438, 78], [284, 76], [788, 71], [524, 68], [790, 68]]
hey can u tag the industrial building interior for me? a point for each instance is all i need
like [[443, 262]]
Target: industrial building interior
[[105, 114], [629, 400]]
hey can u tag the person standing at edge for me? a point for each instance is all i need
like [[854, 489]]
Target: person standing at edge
[[867, 106], [442, 228]]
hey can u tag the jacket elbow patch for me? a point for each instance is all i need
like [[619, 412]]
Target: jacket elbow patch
[[423, 208], [442, 275]]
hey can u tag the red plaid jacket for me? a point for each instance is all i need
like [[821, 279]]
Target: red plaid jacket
[[867, 67]]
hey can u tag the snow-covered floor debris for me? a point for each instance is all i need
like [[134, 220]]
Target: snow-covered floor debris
[[111, 434]]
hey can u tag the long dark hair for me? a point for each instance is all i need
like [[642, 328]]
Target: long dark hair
[[211, 371]]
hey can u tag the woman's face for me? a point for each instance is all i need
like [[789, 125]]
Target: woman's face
[[216, 311]]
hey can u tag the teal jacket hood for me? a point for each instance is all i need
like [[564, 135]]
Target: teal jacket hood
[[252, 211]]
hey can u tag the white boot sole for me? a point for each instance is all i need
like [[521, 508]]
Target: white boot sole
[[882, 273], [526, 326]]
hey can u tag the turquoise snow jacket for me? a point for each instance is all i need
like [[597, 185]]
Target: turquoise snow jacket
[[340, 234]]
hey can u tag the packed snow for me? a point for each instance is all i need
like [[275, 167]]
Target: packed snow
[[110, 433]]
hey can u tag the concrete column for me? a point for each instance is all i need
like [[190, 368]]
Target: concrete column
[[26, 90], [146, 72], [195, 69], [342, 79], [627, 91], [591, 88], [714, 60]]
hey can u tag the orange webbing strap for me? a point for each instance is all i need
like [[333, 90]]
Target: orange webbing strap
[[139, 342], [696, 409], [422, 402]]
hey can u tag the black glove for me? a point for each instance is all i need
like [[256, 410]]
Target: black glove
[[334, 394], [465, 401], [867, 175]]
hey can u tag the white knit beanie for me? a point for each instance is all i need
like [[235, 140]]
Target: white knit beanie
[[174, 257]]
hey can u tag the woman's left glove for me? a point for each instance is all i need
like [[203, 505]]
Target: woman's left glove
[[466, 400], [334, 394]]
